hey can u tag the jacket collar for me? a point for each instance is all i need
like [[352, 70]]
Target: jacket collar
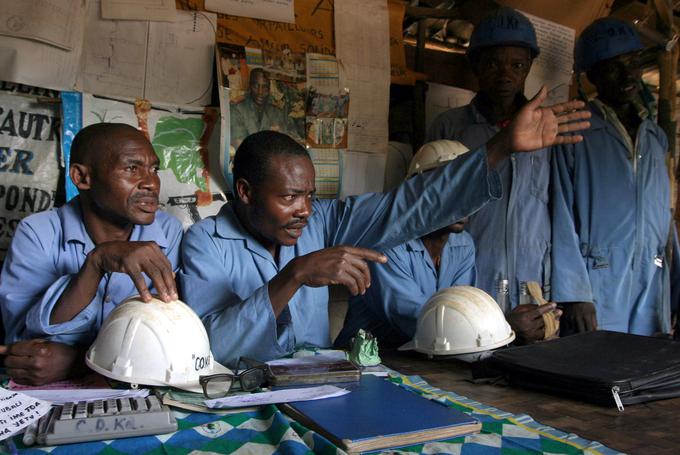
[[228, 226], [74, 228]]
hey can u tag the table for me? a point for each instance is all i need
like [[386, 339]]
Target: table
[[648, 428]]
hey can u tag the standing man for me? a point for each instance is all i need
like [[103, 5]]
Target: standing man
[[257, 272], [512, 233], [66, 269], [612, 217]]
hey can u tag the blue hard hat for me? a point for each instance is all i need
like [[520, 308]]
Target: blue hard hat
[[604, 39], [504, 27]]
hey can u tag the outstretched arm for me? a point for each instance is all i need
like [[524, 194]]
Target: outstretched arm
[[535, 127]]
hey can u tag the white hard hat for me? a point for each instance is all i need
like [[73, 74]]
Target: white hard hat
[[434, 154], [156, 343], [460, 320]]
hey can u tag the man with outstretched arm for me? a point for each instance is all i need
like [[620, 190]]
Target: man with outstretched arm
[[257, 273]]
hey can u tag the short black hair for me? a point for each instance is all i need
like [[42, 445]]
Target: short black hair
[[255, 72], [93, 140], [253, 156]]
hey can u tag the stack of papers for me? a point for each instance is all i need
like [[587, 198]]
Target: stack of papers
[[277, 396]]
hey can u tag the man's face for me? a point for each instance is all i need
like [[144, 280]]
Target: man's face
[[259, 88], [617, 79], [502, 70], [125, 183], [282, 204]]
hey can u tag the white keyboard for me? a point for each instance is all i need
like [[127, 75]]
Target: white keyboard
[[103, 419]]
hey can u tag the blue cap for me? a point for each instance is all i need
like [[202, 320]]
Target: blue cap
[[604, 39], [504, 27]]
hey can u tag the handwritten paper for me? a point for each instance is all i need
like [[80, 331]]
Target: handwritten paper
[[277, 396], [17, 411], [270, 10], [149, 10], [47, 21], [32, 62], [553, 66], [363, 51], [132, 58]]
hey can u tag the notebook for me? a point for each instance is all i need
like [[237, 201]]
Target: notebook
[[378, 415], [313, 369]]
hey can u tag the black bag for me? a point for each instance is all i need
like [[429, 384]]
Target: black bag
[[598, 367]]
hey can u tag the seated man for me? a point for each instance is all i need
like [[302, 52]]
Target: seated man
[[66, 269], [418, 269], [414, 270], [257, 273]]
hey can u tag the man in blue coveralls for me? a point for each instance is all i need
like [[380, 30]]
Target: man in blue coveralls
[[257, 272], [512, 233], [66, 269], [612, 217]]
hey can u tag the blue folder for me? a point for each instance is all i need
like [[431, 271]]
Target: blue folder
[[378, 414]]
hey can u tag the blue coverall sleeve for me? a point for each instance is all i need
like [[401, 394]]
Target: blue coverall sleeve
[[29, 288], [570, 281], [420, 205], [393, 286], [238, 318], [467, 272]]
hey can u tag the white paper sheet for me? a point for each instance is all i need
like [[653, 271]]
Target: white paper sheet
[[114, 59], [167, 62], [309, 359], [553, 66], [58, 397], [180, 59], [271, 10], [48, 21], [441, 98], [150, 10], [30, 62], [17, 411], [277, 396], [363, 52], [362, 173]]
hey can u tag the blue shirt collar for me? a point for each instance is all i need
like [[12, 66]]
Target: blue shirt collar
[[228, 226], [74, 228], [415, 245]]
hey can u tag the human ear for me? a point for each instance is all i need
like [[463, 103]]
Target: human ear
[[244, 191], [80, 176]]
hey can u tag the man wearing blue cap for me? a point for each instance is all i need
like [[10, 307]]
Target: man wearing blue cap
[[612, 217], [511, 234]]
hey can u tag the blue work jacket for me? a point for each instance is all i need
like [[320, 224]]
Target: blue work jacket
[[46, 253], [390, 307], [227, 272], [511, 234], [611, 208]]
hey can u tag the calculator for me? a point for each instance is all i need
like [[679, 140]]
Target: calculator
[[98, 420]]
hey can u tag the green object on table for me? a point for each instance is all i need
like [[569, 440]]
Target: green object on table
[[365, 350]]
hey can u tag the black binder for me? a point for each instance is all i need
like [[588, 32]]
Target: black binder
[[598, 367]]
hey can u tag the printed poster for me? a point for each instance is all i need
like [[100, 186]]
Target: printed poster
[[29, 160], [187, 144]]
